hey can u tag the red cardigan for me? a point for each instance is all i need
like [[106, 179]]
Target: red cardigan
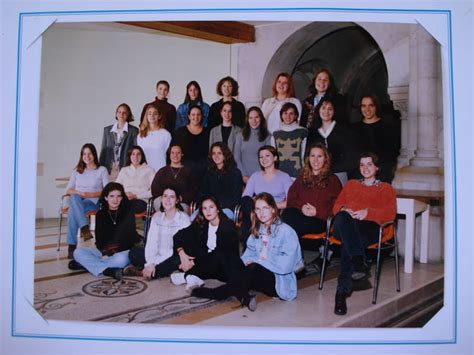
[[379, 199], [322, 198]]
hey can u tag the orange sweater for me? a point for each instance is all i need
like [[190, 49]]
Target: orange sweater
[[379, 199]]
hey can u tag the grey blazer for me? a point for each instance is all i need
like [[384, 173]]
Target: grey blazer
[[106, 156], [216, 136]]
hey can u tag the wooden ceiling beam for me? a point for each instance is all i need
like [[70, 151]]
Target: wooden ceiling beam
[[228, 32]]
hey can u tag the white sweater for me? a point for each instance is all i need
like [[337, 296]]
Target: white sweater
[[137, 180]]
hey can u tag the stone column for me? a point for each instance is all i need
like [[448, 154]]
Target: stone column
[[425, 168], [427, 153], [399, 97]]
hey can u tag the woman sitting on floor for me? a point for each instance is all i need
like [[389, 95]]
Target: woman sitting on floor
[[359, 210], [312, 195], [136, 178], [84, 187], [208, 248], [223, 179], [157, 258], [272, 255], [115, 234]]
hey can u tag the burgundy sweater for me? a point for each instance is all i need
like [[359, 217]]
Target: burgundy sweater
[[322, 198]]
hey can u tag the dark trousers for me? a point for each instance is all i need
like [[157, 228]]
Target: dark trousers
[[163, 269], [253, 277], [137, 206], [216, 265], [302, 224], [355, 236]]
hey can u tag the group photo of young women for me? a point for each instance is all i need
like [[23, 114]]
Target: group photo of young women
[[229, 193]]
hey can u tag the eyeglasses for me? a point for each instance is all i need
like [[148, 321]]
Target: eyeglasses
[[264, 209]]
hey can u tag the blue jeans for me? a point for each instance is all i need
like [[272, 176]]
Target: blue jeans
[[93, 260], [76, 216], [355, 236]]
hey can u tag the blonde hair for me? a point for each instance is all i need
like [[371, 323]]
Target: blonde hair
[[144, 127], [320, 180]]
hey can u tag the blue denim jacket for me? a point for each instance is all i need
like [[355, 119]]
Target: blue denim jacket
[[283, 257]]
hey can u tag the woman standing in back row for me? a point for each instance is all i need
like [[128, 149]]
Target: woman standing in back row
[[322, 87], [154, 138], [283, 91], [117, 139], [227, 88]]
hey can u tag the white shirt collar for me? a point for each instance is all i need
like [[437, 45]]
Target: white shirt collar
[[115, 127]]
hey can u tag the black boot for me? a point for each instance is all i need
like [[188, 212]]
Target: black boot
[[74, 265], [114, 272], [340, 307], [70, 251], [249, 301]]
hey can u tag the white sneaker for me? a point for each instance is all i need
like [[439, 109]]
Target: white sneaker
[[177, 278], [192, 282]]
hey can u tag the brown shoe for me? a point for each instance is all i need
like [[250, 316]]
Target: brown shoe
[[70, 251], [86, 233], [132, 270]]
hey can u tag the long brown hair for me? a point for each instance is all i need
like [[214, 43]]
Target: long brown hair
[[144, 128], [229, 161], [201, 221], [321, 180], [262, 128], [255, 226], [80, 167]]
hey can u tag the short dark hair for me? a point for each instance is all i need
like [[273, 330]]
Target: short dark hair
[[130, 117], [375, 99], [164, 82], [190, 108], [287, 106], [272, 150], [375, 157]]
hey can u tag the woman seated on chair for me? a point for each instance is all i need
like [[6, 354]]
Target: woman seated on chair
[[223, 179], [312, 195], [272, 255], [176, 174], [208, 248], [115, 234], [270, 179], [84, 187], [359, 209], [136, 178], [157, 258]]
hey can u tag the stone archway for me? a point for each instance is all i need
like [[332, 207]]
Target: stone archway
[[347, 50]]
